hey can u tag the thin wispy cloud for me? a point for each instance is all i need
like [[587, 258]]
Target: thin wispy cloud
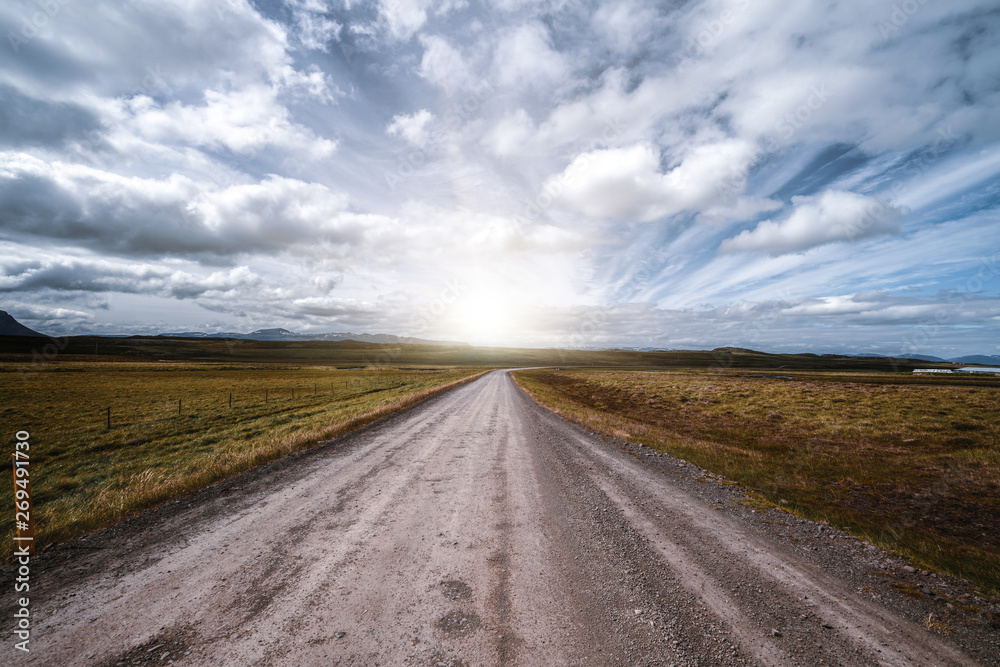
[[589, 173]]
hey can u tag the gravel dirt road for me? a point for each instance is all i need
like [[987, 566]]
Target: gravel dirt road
[[477, 528]]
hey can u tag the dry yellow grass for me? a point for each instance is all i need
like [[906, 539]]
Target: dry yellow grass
[[85, 475], [932, 623]]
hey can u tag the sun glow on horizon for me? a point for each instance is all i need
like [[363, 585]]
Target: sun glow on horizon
[[494, 305], [485, 315]]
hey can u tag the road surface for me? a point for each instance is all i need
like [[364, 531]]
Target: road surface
[[473, 529]]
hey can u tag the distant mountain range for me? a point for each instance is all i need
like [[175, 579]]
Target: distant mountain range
[[987, 359], [11, 327], [285, 334], [921, 357]]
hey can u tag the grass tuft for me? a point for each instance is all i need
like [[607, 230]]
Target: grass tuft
[[932, 623]]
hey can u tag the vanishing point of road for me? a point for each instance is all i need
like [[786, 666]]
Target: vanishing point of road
[[475, 528]]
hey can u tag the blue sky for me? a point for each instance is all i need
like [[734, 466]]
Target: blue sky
[[743, 172]]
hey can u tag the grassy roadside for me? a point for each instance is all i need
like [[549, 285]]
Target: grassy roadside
[[86, 475], [912, 467]]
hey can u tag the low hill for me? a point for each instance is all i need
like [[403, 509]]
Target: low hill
[[11, 327], [921, 357]]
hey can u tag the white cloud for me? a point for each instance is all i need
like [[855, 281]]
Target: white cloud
[[442, 64], [510, 135], [244, 121], [412, 128], [525, 57], [447, 6], [103, 275], [314, 29], [193, 45], [311, 83], [830, 217], [741, 208], [277, 212], [628, 184], [404, 17], [177, 216], [624, 25]]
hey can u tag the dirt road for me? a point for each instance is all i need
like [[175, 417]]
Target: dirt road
[[473, 529]]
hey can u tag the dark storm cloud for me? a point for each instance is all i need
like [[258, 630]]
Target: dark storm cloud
[[90, 276], [135, 217]]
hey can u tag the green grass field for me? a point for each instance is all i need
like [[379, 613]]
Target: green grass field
[[911, 464], [85, 475]]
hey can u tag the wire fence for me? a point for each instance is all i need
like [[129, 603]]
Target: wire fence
[[195, 404]]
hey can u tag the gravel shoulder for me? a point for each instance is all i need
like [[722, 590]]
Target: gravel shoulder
[[477, 528]]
